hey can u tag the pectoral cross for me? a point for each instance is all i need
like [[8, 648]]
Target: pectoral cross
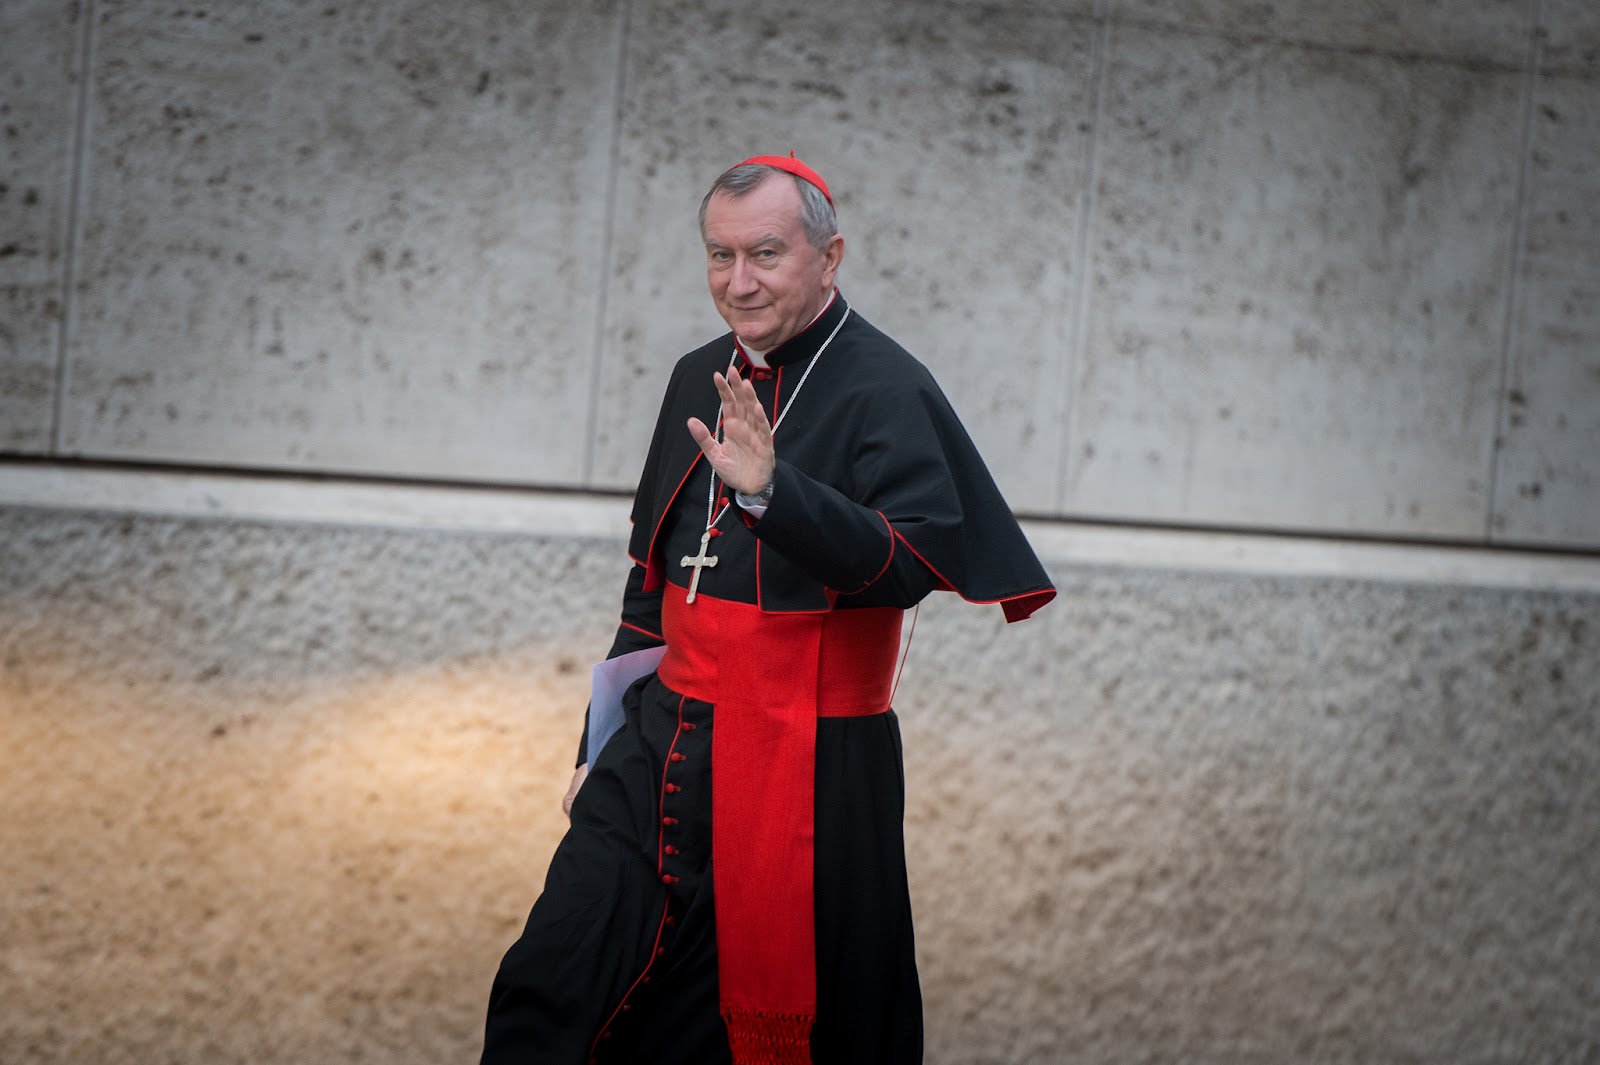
[[698, 562]]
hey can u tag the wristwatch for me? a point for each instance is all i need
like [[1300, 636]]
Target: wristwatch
[[760, 499]]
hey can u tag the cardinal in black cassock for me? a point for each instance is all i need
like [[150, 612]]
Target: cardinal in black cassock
[[733, 886]]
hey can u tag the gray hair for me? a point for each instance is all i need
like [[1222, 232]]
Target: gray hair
[[817, 216]]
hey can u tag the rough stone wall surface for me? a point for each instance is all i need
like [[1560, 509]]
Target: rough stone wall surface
[[1231, 263], [275, 793]]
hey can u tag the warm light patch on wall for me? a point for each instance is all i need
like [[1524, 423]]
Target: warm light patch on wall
[[294, 869]]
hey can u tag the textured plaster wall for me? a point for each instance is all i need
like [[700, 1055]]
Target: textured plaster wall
[[272, 793], [1288, 265]]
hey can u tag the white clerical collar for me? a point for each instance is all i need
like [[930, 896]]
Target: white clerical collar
[[759, 358]]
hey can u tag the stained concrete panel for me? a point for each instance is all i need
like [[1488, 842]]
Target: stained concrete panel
[[37, 111], [954, 147], [1299, 289], [1547, 485], [346, 237], [1572, 38], [1483, 30]]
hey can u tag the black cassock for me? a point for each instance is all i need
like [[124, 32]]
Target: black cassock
[[879, 498]]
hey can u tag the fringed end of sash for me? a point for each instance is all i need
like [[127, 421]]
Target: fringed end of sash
[[761, 1038]]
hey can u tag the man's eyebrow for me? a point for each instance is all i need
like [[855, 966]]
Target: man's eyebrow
[[769, 238]]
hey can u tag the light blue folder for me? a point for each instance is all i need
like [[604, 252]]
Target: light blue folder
[[611, 679]]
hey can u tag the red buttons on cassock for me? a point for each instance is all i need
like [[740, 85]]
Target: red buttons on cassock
[[688, 726], [668, 878], [626, 1006], [669, 820], [763, 375], [670, 921], [670, 849], [716, 532], [673, 789], [676, 757]]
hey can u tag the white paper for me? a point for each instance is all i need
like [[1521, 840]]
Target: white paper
[[611, 679]]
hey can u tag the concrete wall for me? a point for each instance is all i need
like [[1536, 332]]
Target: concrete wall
[[279, 793], [1282, 266], [282, 792]]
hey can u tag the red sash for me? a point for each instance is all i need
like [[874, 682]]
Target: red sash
[[770, 676]]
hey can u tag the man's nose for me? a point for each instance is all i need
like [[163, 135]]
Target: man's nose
[[742, 279]]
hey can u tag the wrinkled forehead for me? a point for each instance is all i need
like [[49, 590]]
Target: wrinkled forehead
[[771, 210]]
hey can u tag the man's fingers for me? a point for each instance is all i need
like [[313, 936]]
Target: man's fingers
[[746, 404], [746, 444], [754, 412], [708, 444]]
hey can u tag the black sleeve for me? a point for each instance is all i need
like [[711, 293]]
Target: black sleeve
[[904, 466], [849, 547], [916, 510]]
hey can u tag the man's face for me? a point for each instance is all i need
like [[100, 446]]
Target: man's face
[[766, 279]]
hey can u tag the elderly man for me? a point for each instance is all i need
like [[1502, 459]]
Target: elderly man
[[733, 885]]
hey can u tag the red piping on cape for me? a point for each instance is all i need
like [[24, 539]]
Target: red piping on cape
[[654, 573], [885, 568], [1016, 607], [645, 632]]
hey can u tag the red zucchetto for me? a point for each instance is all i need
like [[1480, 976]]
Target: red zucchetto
[[794, 166]]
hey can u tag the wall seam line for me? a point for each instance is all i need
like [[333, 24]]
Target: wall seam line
[[72, 226], [110, 489], [1067, 375], [597, 354], [1519, 227]]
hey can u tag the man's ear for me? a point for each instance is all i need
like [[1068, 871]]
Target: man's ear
[[832, 256]]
